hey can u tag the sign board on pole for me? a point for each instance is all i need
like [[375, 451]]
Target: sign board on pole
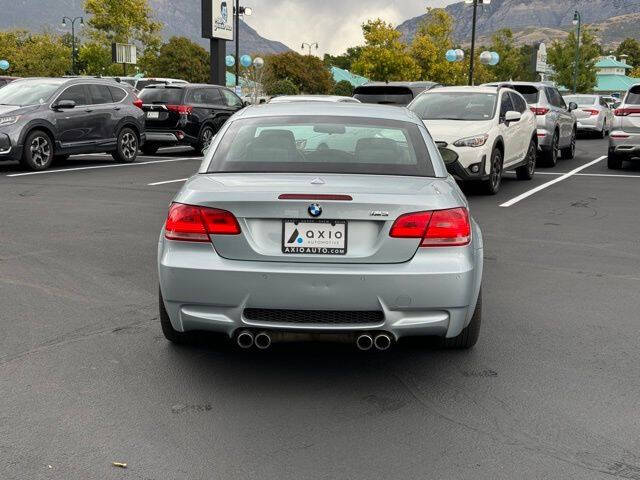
[[541, 59], [124, 53], [217, 19]]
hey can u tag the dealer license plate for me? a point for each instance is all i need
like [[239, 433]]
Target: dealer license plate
[[314, 237]]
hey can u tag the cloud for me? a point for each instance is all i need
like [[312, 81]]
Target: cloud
[[334, 24]]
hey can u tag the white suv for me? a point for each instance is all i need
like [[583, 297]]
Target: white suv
[[481, 132]]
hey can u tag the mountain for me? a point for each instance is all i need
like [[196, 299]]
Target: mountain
[[616, 19], [179, 18]]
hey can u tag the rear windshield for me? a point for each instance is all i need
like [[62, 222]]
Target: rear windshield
[[581, 100], [145, 83], [385, 95], [633, 97], [323, 144], [529, 92], [168, 96], [454, 106]]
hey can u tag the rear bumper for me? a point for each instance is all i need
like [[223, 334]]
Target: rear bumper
[[432, 294], [624, 143], [589, 124], [544, 139], [169, 137]]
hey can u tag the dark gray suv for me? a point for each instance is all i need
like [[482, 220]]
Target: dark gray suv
[[43, 119]]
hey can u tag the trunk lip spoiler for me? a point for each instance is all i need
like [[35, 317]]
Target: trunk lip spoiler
[[316, 196]]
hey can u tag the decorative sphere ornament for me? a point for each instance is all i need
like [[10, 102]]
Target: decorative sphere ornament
[[230, 60], [495, 58], [245, 60], [4, 65], [485, 58], [451, 56], [258, 62], [459, 54]]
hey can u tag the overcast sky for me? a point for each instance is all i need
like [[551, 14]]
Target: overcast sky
[[334, 24]]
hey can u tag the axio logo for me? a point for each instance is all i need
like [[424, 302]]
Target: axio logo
[[315, 210], [295, 237]]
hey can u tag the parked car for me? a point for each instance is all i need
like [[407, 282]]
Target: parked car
[[593, 114], [481, 132], [391, 93], [321, 218], [5, 80], [186, 114], [313, 98], [42, 119], [557, 125], [141, 83], [624, 139]]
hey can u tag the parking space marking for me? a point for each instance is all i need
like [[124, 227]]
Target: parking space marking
[[573, 172], [167, 181], [115, 165], [590, 174]]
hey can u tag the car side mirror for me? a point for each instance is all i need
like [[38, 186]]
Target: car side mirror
[[572, 106], [246, 103], [512, 116], [65, 104]]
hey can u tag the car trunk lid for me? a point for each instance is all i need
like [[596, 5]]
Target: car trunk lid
[[163, 106]]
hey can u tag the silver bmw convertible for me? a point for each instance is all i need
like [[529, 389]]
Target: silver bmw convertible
[[319, 218]]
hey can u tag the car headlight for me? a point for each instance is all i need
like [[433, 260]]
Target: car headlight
[[4, 121], [475, 141]]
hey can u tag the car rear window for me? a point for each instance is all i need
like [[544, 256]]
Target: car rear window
[[582, 100], [166, 96], [322, 144], [391, 95], [529, 92], [633, 97]]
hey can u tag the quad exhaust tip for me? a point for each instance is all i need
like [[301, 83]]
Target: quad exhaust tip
[[364, 342], [245, 339], [263, 340]]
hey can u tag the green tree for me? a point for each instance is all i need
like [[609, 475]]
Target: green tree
[[181, 58], [561, 56], [635, 73], [631, 48], [343, 61], [35, 54], [526, 70], [510, 65], [343, 88], [385, 56], [94, 58], [429, 46], [283, 86], [307, 72]]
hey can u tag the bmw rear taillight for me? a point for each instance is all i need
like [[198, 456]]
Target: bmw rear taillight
[[439, 228], [181, 109], [190, 223], [539, 110]]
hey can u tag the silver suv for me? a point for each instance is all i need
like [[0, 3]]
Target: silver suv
[[557, 125], [624, 139]]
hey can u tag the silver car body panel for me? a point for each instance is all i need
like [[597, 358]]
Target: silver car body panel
[[624, 137], [420, 291]]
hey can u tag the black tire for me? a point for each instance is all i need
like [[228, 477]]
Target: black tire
[[614, 162], [126, 146], [169, 332], [204, 139], [603, 133], [570, 152], [150, 148], [526, 171], [469, 335], [550, 157], [38, 151], [492, 186]]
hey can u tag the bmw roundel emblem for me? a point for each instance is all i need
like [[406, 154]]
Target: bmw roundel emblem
[[315, 210]]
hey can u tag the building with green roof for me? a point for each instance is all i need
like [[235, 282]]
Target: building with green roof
[[612, 76], [340, 74]]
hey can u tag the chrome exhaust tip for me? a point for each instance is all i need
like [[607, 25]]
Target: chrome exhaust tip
[[263, 340], [245, 339], [382, 342], [364, 342]]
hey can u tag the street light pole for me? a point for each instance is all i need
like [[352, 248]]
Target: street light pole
[[577, 20], [473, 34], [238, 10], [310, 46], [73, 39]]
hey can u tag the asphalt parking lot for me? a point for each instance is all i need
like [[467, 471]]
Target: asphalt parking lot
[[86, 377]]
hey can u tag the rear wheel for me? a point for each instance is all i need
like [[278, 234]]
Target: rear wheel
[[614, 161], [570, 151], [603, 132], [150, 148], [127, 146], [169, 332], [38, 151], [469, 336], [550, 156], [492, 185], [204, 140], [526, 171]]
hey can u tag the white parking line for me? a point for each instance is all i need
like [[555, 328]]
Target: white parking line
[[115, 165], [167, 181], [590, 174], [526, 194]]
